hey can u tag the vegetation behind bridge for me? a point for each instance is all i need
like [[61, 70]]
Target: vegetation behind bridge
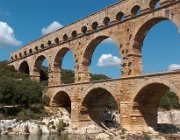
[[18, 90]]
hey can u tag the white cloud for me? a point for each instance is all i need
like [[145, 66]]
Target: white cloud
[[7, 37], [107, 60], [52, 27], [109, 41], [173, 67]]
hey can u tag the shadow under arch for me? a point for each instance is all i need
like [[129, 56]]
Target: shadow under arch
[[58, 60], [61, 99], [90, 49], [24, 67], [97, 104], [146, 102]]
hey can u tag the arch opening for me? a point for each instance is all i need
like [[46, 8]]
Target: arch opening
[[95, 25], [74, 33], [61, 99], [64, 63], [103, 111], [106, 21], [151, 100], [101, 59], [24, 67], [84, 29], [154, 4], [136, 10], [56, 40], [120, 16], [154, 36], [41, 69]]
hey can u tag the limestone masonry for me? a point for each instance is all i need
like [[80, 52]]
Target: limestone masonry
[[137, 96]]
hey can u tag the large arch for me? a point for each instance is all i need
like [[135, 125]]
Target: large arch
[[88, 51], [146, 102], [61, 99], [37, 71], [24, 67], [96, 103], [58, 59], [139, 35]]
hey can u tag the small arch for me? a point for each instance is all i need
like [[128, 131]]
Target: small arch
[[24, 67], [49, 43], [62, 99], [154, 4], [30, 51], [74, 33], [42, 46], [36, 49], [136, 10], [56, 40], [20, 55], [25, 53], [16, 56], [94, 25], [120, 16], [84, 29], [12, 58], [65, 37], [106, 21]]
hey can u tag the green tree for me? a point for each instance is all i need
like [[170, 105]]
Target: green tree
[[170, 101]]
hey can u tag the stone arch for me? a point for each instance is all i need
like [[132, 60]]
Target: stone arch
[[146, 101], [39, 60], [74, 33], [139, 36], [88, 51], [61, 98], [95, 25], [99, 87], [120, 16], [58, 59], [24, 67], [142, 29], [56, 40], [65, 37], [84, 29], [49, 43], [167, 83], [60, 55], [136, 10], [99, 96], [106, 21], [154, 3]]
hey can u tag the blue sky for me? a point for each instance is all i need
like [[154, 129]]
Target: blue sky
[[26, 19]]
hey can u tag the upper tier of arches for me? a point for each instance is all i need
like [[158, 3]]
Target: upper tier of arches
[[118, 13]]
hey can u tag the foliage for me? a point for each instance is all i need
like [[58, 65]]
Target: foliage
[[67, 76], [62, 125], [146, 136], [111, 104], [18, 93], [169, 101], [95, 77]]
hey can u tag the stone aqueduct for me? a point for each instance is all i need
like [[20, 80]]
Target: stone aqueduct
[[137, 95]]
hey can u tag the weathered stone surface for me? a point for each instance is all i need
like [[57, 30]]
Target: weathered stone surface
[[134, 94]]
